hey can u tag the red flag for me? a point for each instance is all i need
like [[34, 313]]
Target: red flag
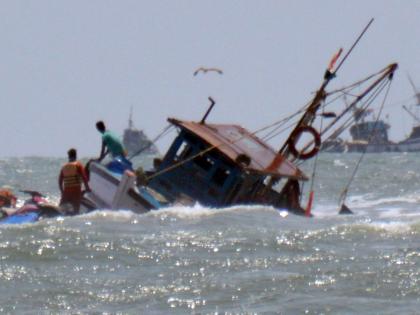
[[334, 60]]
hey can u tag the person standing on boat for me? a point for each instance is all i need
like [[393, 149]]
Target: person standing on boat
[[70, 180], [110, 143]]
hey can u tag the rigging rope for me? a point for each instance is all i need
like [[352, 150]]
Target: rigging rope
[[343, 195], [372, 95], [163, 133], [349, 121], [345, 90], [360, 82], [281, 122], [376, 87], [311, 190]]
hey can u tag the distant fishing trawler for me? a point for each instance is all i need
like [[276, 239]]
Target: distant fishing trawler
[[135, 140], [371, 136]]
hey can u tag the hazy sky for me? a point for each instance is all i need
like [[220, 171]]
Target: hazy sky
[[66, 64]]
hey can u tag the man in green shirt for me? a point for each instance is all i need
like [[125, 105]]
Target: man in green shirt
[[110, 143]]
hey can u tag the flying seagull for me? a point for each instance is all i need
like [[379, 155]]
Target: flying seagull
[[205, 70]]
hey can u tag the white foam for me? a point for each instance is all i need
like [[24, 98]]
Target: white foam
[[112, 214], [198, 210], [390, 212], [364, 201], [394, 227], [340, 163]]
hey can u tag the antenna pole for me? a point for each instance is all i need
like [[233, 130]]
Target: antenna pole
[[212, 102], [130, 119], [354, 45]]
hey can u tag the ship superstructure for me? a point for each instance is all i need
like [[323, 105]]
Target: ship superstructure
[[135, 140]]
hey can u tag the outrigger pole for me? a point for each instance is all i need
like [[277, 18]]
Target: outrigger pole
[[386, 73]]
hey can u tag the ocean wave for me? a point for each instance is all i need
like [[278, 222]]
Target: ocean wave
[[362, 228], [127, 216], [381, 218], [198, 210], [396, 227], [121, 214], [363, 201]]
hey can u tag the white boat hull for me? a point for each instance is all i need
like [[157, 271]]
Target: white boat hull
[[114, 191]]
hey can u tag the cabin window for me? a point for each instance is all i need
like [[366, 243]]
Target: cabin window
[[183, 151], [205, 162], [220, 176]]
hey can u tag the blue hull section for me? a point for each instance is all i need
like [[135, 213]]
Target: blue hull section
[[149, 198], [28, 217]]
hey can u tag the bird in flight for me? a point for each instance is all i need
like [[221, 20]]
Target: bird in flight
[[205, 70]]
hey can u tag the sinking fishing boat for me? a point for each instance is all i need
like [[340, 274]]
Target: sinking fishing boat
[[215, 165], [220, 165]]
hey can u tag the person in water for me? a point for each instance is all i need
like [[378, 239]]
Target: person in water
[[110, 143], [70, 180], [7, 198]]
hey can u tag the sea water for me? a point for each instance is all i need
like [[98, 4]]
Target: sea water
[[237, 260]]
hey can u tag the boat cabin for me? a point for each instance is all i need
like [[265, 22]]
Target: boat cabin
[[222, 165]]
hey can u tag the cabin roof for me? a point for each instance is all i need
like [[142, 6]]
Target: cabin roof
[[234, 141]]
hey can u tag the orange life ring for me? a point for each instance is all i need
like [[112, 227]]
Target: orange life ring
[[295, 135]]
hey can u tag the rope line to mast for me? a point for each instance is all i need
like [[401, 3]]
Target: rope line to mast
[[163, 133], [343, 195], [350, 120], [345, 90]]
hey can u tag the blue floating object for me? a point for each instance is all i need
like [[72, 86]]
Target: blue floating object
[[27, 217], [119, 165]]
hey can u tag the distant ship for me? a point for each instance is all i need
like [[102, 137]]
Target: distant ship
[[135, 140], [371, 136]]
